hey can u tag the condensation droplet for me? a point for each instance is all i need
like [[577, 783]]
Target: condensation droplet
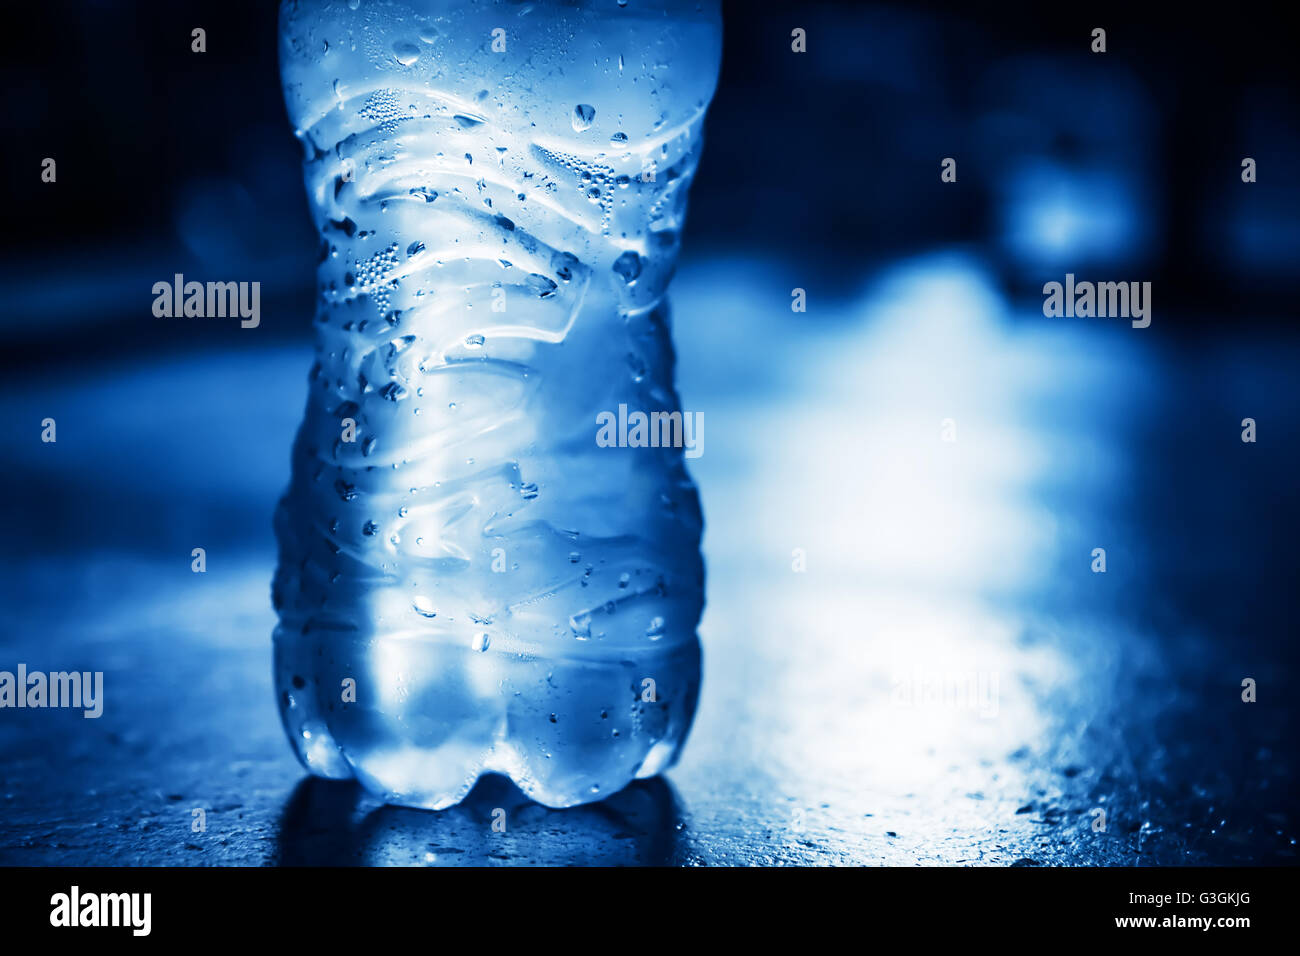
[[583, 116], [628, 265], [406, 52]]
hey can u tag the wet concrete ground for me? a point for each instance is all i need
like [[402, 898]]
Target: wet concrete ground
[[946, 680]]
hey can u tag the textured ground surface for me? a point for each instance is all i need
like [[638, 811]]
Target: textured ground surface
[[927, 563]]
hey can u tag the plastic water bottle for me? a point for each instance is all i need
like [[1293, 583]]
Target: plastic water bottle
[[469, 581]]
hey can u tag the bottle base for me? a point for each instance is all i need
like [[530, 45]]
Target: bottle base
[[418, 721]]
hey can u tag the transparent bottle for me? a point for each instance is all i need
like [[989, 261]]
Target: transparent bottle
[[469, 580]]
